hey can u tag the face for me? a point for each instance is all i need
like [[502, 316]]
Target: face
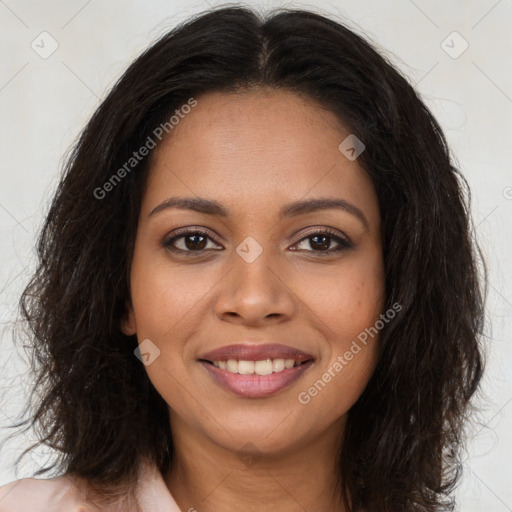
[[257, 262]]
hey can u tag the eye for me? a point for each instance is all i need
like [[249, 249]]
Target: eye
[[188, 241], [194, 242], [320, 241]]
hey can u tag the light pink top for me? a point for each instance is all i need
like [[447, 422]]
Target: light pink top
[[60, 495]]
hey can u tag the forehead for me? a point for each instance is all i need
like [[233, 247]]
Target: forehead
[[256, 148]]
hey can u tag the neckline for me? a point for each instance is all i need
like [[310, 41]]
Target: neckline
[[153, 494]]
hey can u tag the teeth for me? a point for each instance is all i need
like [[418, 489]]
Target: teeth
[[278, 365], [263, 367], [232, 365], [245, 367]]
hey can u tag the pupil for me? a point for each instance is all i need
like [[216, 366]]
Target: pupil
[[194, 245], [324, 245]]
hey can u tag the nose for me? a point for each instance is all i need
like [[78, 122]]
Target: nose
[[255, 294]]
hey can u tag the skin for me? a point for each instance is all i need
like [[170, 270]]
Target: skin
[[254, 152]]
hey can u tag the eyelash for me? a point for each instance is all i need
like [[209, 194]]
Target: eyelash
[[342, 242]]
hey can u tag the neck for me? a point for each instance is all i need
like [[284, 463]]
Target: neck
[[207, 477]]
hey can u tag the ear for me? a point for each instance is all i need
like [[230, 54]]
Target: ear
[[128, 323]]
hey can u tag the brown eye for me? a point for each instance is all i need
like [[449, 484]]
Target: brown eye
[[195, 242], [321, 241], [188, 242]]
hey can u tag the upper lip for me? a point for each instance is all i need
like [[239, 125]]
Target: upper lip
[[255, 352]]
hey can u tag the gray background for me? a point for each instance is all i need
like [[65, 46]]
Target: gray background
[[44, 103]]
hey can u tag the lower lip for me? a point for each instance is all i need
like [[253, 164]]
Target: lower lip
[[256, 386]]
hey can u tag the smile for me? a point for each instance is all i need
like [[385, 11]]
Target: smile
[[242, 378], [263, 367]]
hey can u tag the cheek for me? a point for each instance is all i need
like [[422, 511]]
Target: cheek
[[169, 303], [346, 306], [349, 361], [348, 299], [165, 295], [337, 388]]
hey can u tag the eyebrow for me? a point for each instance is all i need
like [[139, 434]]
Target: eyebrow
[[212, 207]]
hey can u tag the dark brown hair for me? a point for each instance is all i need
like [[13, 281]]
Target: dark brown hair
[[96, 405]]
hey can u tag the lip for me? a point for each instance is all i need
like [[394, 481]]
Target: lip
[[256, 386], [256, 352]]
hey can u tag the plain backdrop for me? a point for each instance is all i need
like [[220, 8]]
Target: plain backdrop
[[454, 51]]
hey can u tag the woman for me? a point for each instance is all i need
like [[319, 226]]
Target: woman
[[257, 284]]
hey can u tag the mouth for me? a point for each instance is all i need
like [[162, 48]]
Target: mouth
[[261, 367], [256, 371]]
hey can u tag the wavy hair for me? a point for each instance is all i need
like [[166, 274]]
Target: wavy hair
[[95, 403]]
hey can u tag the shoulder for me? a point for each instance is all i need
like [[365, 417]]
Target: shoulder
[[57, 494]]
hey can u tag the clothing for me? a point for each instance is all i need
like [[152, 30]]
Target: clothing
[[60, 495]]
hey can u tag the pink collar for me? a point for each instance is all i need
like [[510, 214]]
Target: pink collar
[[153, 495], [59, 494]]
